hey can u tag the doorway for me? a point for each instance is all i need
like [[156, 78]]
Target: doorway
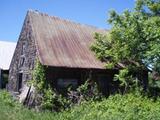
[[20, 77], [104, 84]]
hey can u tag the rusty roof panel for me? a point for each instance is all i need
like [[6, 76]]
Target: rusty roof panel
[[62, 43]]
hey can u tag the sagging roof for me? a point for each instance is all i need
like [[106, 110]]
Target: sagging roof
[[6, 54], [62, 43]]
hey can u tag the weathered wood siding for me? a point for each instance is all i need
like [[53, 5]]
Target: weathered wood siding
[[104, 78]]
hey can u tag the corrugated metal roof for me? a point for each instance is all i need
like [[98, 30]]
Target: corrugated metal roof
[[63, 43], [6, 53]]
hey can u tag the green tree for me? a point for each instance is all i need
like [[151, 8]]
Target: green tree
[[133, 43]]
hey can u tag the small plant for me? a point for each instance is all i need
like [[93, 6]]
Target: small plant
[[39, 79], [7, 98], [127, 83], [86, 92]]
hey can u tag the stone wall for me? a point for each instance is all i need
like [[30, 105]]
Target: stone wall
[[24, 57]]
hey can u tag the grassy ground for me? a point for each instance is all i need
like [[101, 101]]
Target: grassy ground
[[117, 107]]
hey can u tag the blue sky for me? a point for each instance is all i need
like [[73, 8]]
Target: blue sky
[[92, 12]]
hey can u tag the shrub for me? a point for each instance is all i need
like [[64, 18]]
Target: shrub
[[117, 107], [7, 98], [86, 92], [46, 98]]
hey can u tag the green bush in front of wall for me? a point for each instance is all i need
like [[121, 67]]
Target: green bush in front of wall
[[46, 98], [85, 92]]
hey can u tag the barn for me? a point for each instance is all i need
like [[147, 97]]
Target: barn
[[64, 47], [6, 53]]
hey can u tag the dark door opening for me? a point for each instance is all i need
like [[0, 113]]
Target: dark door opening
[[104, 87], [20, 76], [4, 78]]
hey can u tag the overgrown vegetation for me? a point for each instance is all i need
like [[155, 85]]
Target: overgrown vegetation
[[48, 98], [117, 107], [85, 92]]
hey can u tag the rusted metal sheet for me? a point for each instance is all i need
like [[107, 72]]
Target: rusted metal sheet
[[62, 43]]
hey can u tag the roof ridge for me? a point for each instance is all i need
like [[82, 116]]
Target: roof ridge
[[64, 19]]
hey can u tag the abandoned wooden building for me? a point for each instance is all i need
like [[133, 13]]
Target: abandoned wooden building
[[64, 47], [6, 53]]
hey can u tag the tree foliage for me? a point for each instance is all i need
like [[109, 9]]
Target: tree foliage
[[133, 43]]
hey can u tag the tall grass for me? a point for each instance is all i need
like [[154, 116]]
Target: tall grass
[[117, 107]]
